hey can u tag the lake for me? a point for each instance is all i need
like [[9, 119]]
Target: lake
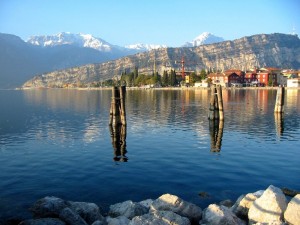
[[58, 143]]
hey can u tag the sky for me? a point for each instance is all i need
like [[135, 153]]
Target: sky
[[169, 22]]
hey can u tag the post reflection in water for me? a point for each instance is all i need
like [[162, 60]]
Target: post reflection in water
[[118, 140], [279, 123], [216, 134]]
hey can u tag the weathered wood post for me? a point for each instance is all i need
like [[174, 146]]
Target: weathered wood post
[[212, 103], [122, 105], [220, 102], [279, 100], [117, 123], [216, 111]]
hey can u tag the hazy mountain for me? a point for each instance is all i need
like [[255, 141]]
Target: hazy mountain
[[264, 50], [144, 47], [20, 61], [204, 39], [79, 40], [88, 41]]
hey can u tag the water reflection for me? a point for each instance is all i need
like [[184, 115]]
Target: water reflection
[[216, 134], [279, 124], [118, 140]]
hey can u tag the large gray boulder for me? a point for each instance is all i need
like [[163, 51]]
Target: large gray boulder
[[269, 207], [48, 207], [160, 218], [90, 212], [128, 209], [43, 221], [243, 204], [120, 220], [168, 202], [220, 215], [292, 212], [71, 217]]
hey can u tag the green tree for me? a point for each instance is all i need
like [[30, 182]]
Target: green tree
[[203, 74], [165, 79], [173, 80]]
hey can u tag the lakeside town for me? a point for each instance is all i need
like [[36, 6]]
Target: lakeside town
[[256, 77]]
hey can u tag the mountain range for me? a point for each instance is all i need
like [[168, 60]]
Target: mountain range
[[20, 60], [262, 50]]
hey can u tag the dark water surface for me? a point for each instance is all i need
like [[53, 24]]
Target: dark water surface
[[58, 143]]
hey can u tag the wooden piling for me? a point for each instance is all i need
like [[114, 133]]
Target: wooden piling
[[122, 104], [216, 111], [211, 113], [220, 102], [117, 108], [279, 100]]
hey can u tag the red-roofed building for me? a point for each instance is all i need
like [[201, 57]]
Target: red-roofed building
[[224, 79], [268, 76]]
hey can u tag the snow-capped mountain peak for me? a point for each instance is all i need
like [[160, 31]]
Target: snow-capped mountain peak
[[202, 39], [144, 47], [67, 38]]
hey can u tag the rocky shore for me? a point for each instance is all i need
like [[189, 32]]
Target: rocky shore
[[269, 206]]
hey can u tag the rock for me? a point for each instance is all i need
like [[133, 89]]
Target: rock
[[160, 218], [292, 212], [48, 207], [128, 209], [43, 221], [147, 203], [228, 203], [219, 215], [168, 202], [269, 207], [90, 212], [120, 220], [99, 222], [71, 217], [243, 204]]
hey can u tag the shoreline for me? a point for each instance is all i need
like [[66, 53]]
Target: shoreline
[[167, 209], [158, 88]]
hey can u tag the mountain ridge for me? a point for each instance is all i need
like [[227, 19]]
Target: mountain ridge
[[272, 50]]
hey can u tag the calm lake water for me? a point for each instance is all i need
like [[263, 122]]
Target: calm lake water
[[58, 143]]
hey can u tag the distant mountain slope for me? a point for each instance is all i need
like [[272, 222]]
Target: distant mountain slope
[[20, 61], [272, 50], [204, 39]]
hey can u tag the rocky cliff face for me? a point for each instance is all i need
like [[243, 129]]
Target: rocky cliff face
[[265, 50]]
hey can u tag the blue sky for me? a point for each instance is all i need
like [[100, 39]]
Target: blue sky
[[170, 22]]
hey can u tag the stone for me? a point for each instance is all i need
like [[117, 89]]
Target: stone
[[228, 203], [120, 220], [269, 207], [219, 215], [147, 203], [90, 212], [243, 204], [43, 221], [128, 209], [71, 217], [48, 207], [168, 202], [160, 218], [99, 222], [292, 212]]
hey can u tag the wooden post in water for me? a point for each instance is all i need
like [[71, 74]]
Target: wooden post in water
[[115, 107], [220, 102], [216, 103], [212, 105], [279, 100], [122, 104]]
